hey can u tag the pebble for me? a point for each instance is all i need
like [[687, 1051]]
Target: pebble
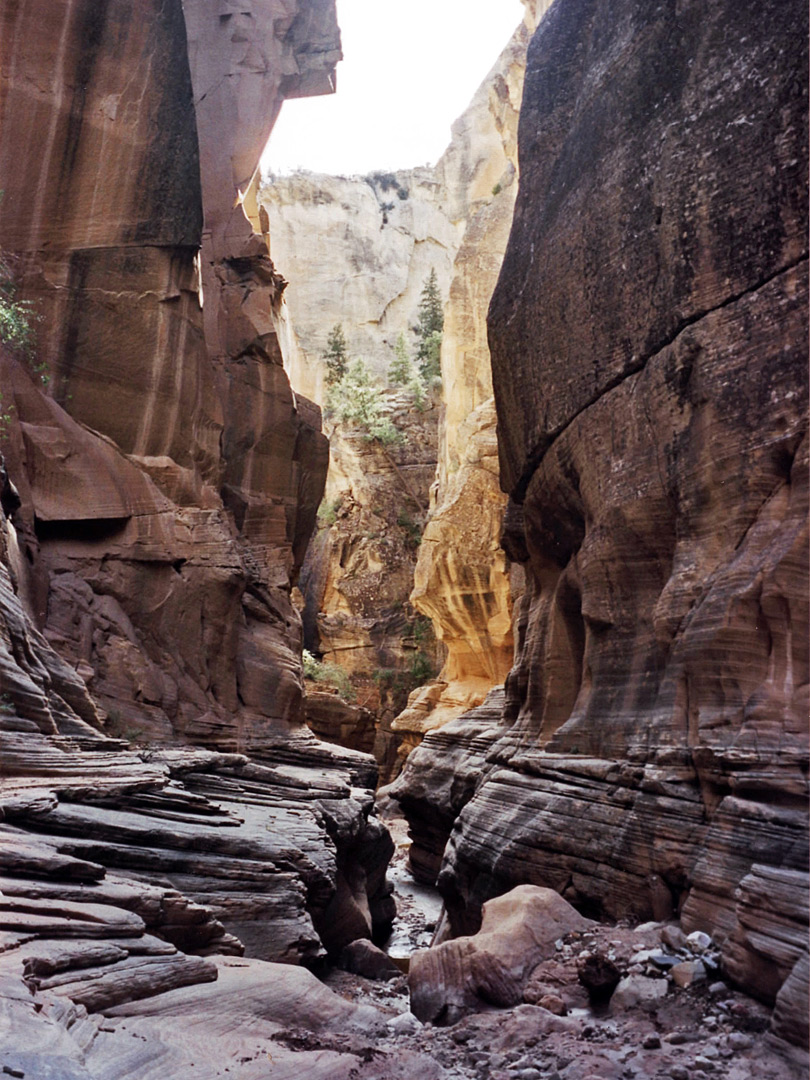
[[688, 972], [711, 1052], [528, 1074], [698, 940], [678, 1038], [674, 937], [704, 1063], [718, 988], [738, 1041], [678, 1072], [651, 1042]]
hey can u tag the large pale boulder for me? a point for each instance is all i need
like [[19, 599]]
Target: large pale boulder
[[518, 931]]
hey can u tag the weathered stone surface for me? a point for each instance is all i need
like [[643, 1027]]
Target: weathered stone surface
[[162, 521], [517, 931], [396, 228], [338, 721], [440, 777], [364, 958], [649, 347]]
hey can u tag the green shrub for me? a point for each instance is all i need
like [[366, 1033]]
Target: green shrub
[[357, 402], [328, 674], [16, 316], [413, 533], [327, 511]]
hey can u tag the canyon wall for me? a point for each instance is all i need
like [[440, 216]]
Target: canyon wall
[[649, 355], [168, 475], [162, 485]]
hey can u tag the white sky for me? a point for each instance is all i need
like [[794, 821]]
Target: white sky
[[409, 69]]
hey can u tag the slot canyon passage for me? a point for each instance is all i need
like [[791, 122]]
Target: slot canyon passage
[[404, 578]]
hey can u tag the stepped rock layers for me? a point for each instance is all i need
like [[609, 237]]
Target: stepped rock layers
[[162, 490], [358, 252], [649, 352]]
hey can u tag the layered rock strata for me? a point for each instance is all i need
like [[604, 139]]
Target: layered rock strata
[[163, 482], [649, 345], [169, 478], [395, 228]]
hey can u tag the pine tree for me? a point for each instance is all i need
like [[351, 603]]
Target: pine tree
[[335, 355], [357, 402], [401, 367], [429, 329]]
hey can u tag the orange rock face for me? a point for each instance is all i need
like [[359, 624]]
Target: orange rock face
[[169, 476]]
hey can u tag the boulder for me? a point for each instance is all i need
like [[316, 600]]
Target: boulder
[[464, 975], [362, 957]]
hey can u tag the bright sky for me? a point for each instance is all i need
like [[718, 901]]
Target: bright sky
[[409, 69]]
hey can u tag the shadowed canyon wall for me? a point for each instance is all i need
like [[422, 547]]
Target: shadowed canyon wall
[[649, 355]]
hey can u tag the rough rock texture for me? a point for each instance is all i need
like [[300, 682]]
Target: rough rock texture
[[358, 572], [649, 350], [358, 251], [285, 857], [163, 484], [164, 518], [517, 932]]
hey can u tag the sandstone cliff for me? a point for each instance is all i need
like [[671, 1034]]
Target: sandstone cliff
[[163, 485], [169, 476], [649, 349], [358, 251]]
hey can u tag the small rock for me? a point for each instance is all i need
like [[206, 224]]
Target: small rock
[[528, 1074], [678, 1038], [664, 960], [673, 937], [698, 940], [553, 1003], [404, 1024], [702, 1062], [718, 988], [687, 973], [651, 1042], [645, 927], [711, 1052], [9, 1070], [638, 990], [678, 1072], [738, 1041], [599, 976]]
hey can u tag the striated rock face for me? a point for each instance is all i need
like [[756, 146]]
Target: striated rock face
[[169, 479], [163, 484], [649, 348]]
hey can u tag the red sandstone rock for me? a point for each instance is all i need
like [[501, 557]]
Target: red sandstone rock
[[649, 347]]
